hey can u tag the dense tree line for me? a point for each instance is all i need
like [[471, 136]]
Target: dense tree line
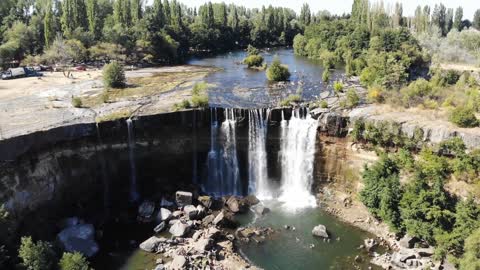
[[68, 31]]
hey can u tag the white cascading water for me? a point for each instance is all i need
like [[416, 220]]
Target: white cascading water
[[223, 172], [257, 154], [297, 159], [133, 171]]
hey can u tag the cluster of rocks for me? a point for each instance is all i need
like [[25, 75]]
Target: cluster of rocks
[[199, 236], [407, 255]]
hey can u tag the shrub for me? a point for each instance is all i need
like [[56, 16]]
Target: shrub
[[357, 131], [199, 88], [326, 76], [338, 87], [200, 101], [291, 99], [36, 256], [352, 99], [185, 104], [277, 72], [323, 104], [415, 92], [253, 61], [77, 102], [73, 261], [375, 94], [114, 75], [463, 117], [252, 50]]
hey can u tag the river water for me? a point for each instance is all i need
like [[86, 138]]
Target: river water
[[239, 87]]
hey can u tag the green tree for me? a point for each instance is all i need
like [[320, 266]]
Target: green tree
[[136, 10], [463, 117], [305, 15], [92, 16], [471, 258], [277, 72], [382, 191], [74, 261], [457, 24], [121, 12], [73, 15], [36, 256], [114, 75], [439, 18], [476, 20], [49, 27]]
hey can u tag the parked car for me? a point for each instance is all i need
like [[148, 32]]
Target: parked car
[[46, 68], [13, 73], [81, 68]]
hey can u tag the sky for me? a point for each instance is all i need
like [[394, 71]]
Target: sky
[[345, 6]]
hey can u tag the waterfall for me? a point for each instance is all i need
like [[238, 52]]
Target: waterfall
[[133, 171], [297, 159], [103, 167], [223, 172], [257, 154]]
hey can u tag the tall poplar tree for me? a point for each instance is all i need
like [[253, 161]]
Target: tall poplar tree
[[457, 23]]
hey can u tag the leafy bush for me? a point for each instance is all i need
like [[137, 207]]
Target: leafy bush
[[36, 256], [277, 72], [326, 76], [76, 102], [252, 50], [463, 117], [299, 43], [291, 99], [253, 60], [185, 104], [375, 94], [199, 88], [352, 99], [73, 261], [338, 87], [114, 75], [200, 101], [323, 104], [415, 92], [357, 131]]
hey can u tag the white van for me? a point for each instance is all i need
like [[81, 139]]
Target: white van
[[12, 73]]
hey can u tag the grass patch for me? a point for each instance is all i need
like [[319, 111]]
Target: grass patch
[[114, 116], [291, 99]]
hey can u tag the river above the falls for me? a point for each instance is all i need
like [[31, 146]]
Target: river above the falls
[[236, 86]]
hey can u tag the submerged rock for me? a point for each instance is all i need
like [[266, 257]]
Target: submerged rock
[[225, 219], [236, 205], [79, 238], [320, 231], [145, 211], [251, 200], [260, 209], [370, 244], [183, 198]]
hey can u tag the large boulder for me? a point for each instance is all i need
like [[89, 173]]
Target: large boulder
[[251, 200], [191, 212], [183, 198], [164, 215], [236, 205], [145, 210], [203, 244], [79, 238], [180, 229], [206, 221], [206, 201], [320, 231], [179, 262], [225, 219], [408, 241], [151, 244]]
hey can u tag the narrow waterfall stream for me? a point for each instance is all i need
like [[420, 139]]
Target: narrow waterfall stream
[[223, 171], [257, 154], [298, 138], [134, 196]]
